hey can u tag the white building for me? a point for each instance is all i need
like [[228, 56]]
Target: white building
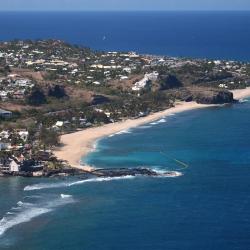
[[24, 135], [143, 83], [14, 167]]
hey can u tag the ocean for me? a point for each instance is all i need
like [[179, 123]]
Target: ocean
[[207, 208], [219, 35]]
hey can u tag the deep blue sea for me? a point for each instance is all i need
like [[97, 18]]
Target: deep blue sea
[[189, 34], [208, 208]]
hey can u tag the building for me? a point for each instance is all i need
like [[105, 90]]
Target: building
[[4, 146], [5, 113], [144, 82], [14, 166]]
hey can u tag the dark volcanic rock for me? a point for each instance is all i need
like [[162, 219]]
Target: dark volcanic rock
[[214, 97], [118, 172], [203, 95], [188, 99], [122, 172]]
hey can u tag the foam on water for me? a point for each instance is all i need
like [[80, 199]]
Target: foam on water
[[97, 179], [69, 184], [162, 172], [162, 120], [243, 100], [125, 131], [144, 127], [45, 186], [64, 196], [153, 123], [25, 212], [101, 179]]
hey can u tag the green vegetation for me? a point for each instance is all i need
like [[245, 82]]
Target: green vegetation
[[49, 138], [36, 97]]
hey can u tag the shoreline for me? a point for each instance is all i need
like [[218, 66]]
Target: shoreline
[[79, 144]]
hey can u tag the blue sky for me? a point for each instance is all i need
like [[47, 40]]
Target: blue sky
[[63, 5]]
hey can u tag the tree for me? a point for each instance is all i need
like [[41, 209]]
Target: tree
[[169, 81], [49, 138], [36, 97], [57, 91]]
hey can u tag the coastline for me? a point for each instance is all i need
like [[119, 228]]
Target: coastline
[[241, 93], [77, 145]]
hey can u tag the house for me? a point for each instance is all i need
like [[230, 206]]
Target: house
[[152, 76], [22, 82], [4, 146], [5, 113], [4, 134], [143, 83], [128, 70], [14, 166], [4, 168], [4, 95], [58, 125], [123, 77], [18, 94], [24, 135]]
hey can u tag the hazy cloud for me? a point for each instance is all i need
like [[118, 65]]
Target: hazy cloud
[[124, 5]]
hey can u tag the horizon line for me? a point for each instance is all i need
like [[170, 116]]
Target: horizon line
[[201, 10]]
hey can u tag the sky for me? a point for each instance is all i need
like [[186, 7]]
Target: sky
[[122, 5]]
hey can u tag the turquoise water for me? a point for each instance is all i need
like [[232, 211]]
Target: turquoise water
[[206, 208]]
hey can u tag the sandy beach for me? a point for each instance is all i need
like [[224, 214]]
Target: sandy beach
[[79, 144], [241, 93]]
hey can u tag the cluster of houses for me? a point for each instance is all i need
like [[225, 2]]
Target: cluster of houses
[[18, 164], [78, 67], [14, 86], [14, 149], [16, 139], [81, 66], [18, 156]]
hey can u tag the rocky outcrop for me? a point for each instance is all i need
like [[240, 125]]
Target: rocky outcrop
[[203, 95], [120, 172], [214, 97]]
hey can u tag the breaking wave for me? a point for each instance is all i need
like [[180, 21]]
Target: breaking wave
[[45, 186], [243, 100], [126, 131], [25, 212], [162, 172], [101, 179], [69, 184], [65, 196], [162, 120], [144, 127]]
